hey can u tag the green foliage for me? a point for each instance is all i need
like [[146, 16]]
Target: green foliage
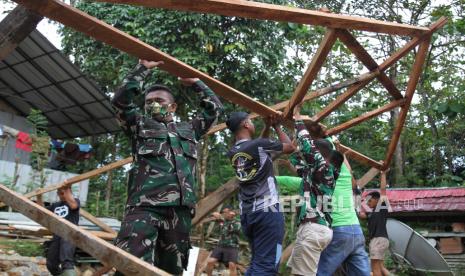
[[38, 121], [266, 60]]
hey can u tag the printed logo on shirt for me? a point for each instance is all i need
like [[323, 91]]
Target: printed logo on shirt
[[61, 211], [239, 162]]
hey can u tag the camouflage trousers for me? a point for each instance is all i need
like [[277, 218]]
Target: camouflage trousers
[[157, 235]]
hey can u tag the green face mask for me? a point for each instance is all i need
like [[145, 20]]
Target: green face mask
[[155, 109]]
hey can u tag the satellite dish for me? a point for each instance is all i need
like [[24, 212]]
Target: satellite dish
[[415, 250]]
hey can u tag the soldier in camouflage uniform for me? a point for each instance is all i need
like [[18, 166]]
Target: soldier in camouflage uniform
[[227, 250], [319, 172], [161, 183]]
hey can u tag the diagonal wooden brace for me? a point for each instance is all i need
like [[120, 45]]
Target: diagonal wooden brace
[[98, 248]]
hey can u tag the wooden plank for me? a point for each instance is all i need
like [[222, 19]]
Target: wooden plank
[[256, 10], [202, 261], [411, 86], [78, 178], [96, 221], [102, 250], [383, 183], [211, 201], [357, 156], [310, 74], [367, 177], [99, 30], [341, 99], [15, 27], [357, 49], [365, 117], [312, 95]]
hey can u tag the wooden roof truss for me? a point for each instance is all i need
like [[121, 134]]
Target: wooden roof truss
[[337, 28]]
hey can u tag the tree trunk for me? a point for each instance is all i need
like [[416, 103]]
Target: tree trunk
[[110, 176], [398, 153]]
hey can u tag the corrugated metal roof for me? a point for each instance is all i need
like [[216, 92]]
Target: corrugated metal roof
[[37, 75], [426, 199]]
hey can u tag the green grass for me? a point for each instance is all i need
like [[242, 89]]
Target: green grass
[[24, 248]]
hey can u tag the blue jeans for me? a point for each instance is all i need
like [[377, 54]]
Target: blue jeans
[[265, 231], [347, 248]]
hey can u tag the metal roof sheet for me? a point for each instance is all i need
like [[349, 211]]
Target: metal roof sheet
[[37, 75], [426, 199]]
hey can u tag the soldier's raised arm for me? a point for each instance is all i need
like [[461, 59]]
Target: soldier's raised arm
[[123, 100], [211, 106]]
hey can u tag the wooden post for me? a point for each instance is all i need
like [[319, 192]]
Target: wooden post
[[96, 221], [357, 49], [78, 178], [367, 177], [411, 86], [365, 117], [102, 250], [312, 71], [256, 10], [15, 27], [383, 183]]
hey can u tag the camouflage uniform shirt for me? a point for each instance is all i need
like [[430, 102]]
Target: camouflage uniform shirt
[[229, 233], [318, 182], [165, 154]]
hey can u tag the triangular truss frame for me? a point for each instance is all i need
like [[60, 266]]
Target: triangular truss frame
[[337, 28]]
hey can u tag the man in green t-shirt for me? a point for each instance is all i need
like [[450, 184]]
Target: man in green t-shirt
[[227, 250], [347, 248]]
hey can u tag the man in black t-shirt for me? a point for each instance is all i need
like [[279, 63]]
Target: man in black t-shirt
[[261, 220], [60, 252], [379, 242]]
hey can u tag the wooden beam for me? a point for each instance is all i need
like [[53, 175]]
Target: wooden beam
[[341, 99], [312, 95], [367, 177], [382, 67], [314, 67], [96, 221], [412, 44], [383, 183], [255, 10], [365, 117], [102, 250], [211, 201], [78, 178], [15, 27], [411, 86], [357, 49], [99, 30], [357, 156]]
